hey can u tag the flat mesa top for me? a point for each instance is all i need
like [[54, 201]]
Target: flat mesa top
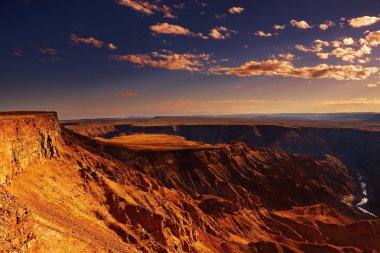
[[156, 142], [25, 113]]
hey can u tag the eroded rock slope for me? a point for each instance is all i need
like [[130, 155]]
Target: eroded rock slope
[[63, 192]]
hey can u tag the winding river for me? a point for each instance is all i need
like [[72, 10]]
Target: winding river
[[364, 197]]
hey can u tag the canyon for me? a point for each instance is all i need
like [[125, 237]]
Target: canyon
[[223, 188]]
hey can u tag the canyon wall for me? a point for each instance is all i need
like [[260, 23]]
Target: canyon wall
[[63, 192], [358, 149], [26, 139]]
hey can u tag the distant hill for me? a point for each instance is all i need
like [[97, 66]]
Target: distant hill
[[374, 119], [305, 116]]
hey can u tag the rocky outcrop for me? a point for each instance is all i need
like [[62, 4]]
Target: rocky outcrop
[[16, 226], [26, 139]]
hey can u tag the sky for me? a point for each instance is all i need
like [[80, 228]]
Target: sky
[[120, 58]]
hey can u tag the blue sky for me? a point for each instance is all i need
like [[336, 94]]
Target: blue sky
[[115, 58]]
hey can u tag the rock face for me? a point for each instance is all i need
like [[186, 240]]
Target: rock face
[[358, 149], [16, 232], [64, 192], [26, 139]]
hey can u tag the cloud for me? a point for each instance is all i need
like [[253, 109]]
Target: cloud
[[50, 55], [323, 55], [346, 49], [180, 6], [147, 8], [349, 54], [166, 59], [288, 56], [286, 69], [349, 102], [363, 21], [166, 28], [92, 41], [75, 40], [373, 38], [236, 10], [111, 46], [279, 27], [220, 16], [50, 51], [126, 94], [326, 25], [18, 53], [372, 85], [263, 34], [221, 33], [348, 41], [317, 46], [302, 24]]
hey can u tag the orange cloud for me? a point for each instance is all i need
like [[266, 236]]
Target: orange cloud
[[363, 21], [286, 69], [75, 40], [221, 33], [236, 10], [279, 27], [348, 41], [167, 59], [126, 94], [263, 34], [166, 28], [316, 47], [349, 54], [347, 49], [111, 46], [302, 24], [323, 55], [92, 41], [326, 25], [349, 102], [373, 38], [288, 56], [147, 8]]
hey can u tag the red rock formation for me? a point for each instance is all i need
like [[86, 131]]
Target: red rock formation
[[16, 233], [86, 196], [26, 139]]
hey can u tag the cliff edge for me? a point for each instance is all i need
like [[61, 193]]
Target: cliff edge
[[27, 138]]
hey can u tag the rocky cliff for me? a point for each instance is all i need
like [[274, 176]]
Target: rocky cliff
[[68, 193], [26, 139]]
